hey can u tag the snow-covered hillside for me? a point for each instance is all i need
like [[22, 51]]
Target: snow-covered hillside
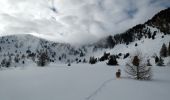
[[29, 46], [81, 82]]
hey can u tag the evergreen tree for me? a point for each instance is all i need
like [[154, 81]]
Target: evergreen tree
[[59, 58], [84, 60], [137, 69], [126, 55], [156, 59], [163, 51], [82, 54], [23, 62], [110, 42], [69, 64], [43, 59], [104, 57]]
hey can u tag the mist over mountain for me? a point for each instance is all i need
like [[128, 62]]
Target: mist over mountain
[[157, 25]]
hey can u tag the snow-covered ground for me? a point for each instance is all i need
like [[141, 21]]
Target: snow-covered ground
[[81, 82]]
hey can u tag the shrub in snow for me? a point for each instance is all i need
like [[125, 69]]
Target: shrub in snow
[[156, 59], [105, 56], [92, 60], [112, 61], [69, 64], [84, 60], [126, 55], [59, 58], [79, 61], [138, 69], [163, 51], [120, 54], [23, 62]]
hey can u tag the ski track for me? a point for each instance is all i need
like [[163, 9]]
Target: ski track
[[91, 96]]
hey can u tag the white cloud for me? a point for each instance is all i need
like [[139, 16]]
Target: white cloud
[[75, 21]]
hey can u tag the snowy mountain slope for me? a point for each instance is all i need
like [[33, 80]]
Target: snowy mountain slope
[[147, 38], [148, 47], [29, 46], [150, 35], [160, 23]]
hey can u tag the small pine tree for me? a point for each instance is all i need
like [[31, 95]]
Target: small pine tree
[[126, 55], [84, 60], [59, 58], [23, 62], [92, 60], [104, 57], [163, 51], [156, 59], [69, 64], [82, 54], [112, 61]]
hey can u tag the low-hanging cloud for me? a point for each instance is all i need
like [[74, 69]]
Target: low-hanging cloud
[[75, 21]]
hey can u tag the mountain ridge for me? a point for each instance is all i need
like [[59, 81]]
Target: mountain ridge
[[160, 21]]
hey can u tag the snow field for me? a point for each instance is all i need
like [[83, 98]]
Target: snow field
[[81, 82]]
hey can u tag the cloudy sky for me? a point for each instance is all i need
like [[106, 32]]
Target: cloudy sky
[[75, 21]]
